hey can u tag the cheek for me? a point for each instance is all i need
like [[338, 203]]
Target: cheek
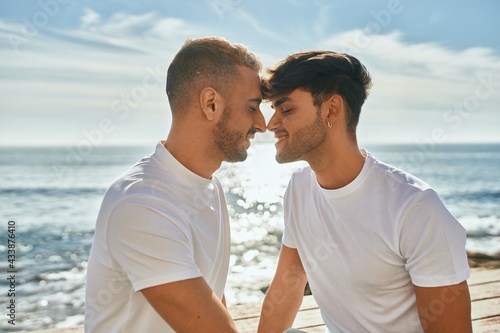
[[243, 121], [249, 118], [288, 123]]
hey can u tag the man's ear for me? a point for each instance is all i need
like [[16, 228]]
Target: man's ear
[[211, 103], [334, 108]]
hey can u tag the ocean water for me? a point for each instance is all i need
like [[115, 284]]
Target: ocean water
[[50, 197]]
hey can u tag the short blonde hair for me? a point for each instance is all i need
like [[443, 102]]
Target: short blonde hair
[[202, 62]]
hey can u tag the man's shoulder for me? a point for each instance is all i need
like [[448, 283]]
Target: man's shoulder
[[401, 188], [302, 175], [141, 181], [394, 176]]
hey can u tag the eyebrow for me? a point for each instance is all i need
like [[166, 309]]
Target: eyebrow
[[281, 101], [256, 100]]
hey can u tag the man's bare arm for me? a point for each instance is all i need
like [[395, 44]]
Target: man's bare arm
[[190, 306], [285, 294], [224, 301], [445, 309]]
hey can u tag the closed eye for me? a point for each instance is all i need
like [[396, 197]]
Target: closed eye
[[252, 108], [253, 104]]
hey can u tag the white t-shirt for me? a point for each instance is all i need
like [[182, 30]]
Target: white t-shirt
[[158, 223], [363, 246]]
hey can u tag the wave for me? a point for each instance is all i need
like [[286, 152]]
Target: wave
[[475, 195], [51, 191], [478, 227]]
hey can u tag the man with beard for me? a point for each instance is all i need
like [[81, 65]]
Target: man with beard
[[378, 247], [160, 256]]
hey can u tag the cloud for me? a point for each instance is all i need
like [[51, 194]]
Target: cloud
[[172, 29], [7, 27], [323, 19], [82, 75], [257, 26], [142, 33], [89, 18], [114, 51], [419, 75], [391, 53], [77, 73], [424, 88], [119, 24]]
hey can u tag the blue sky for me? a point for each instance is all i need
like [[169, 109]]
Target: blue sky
[[75, 71]]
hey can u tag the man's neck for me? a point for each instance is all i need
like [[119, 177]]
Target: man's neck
[[339, 166], [191, 150]]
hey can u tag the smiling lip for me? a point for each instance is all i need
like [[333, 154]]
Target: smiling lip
[[280, 138], [250, 134]]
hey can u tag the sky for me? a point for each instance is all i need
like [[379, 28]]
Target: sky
[[80, 72]]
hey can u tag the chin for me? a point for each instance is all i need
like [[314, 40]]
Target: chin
[[237, 156], [283, 158]]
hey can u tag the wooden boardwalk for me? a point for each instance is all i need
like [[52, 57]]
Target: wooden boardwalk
[[484, 288]]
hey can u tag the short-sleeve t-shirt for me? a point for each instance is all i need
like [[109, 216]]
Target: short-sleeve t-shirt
[[158, 223], [365, 245]]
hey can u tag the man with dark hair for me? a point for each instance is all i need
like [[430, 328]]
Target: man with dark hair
[[378, 247], [160, 256]]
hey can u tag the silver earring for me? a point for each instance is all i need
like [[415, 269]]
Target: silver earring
[[329, 125]]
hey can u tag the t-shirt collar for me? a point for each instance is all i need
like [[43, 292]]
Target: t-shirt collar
[[183, 174], [352, 186]]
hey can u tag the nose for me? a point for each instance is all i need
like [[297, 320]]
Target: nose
[[259, 123], [273, 123]]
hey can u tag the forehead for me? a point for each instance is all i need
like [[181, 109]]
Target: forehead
[[248, 75], [248, 82], [296, 96]]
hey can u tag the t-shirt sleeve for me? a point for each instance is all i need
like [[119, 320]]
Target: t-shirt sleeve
[[289, 217], [432, 243], [150, 247]]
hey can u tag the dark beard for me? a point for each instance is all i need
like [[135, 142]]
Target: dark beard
[[305, 140], [228, 141]]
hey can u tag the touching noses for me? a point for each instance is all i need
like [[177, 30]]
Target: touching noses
[[273, 123], [259, 123]]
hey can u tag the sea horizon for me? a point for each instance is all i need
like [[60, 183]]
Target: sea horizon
[[256, 140]]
